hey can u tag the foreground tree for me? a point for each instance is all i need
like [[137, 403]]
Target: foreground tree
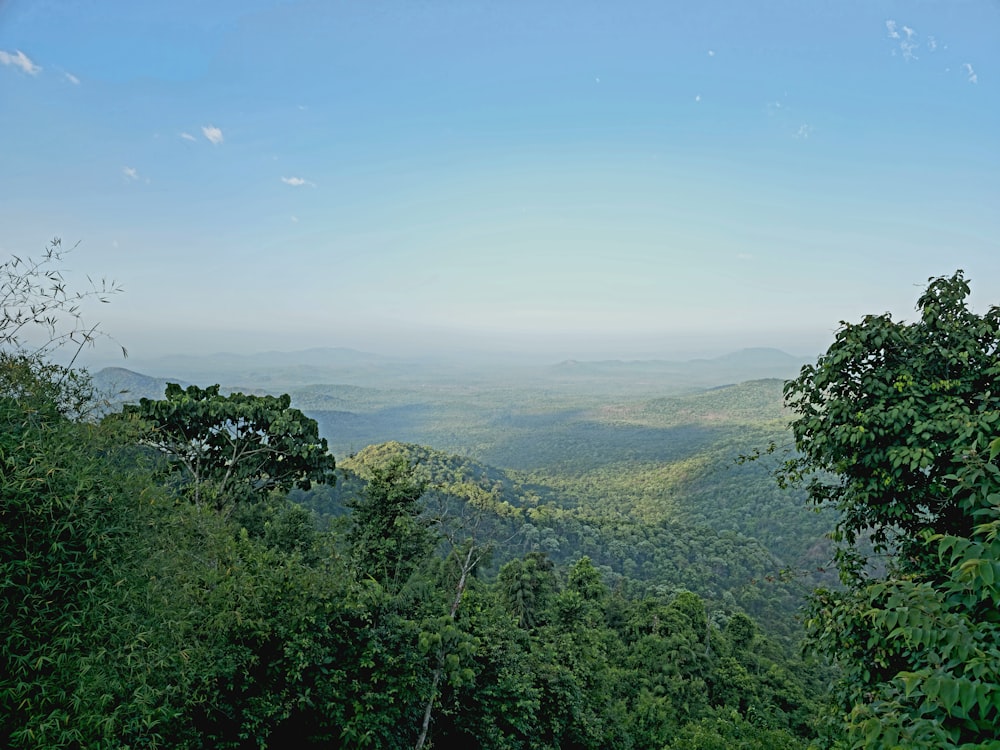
[[897, 427], [236, 444]]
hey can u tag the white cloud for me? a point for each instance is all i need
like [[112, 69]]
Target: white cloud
[[803, 131], [697, 97], [131, 173], [72, 79], [295, 219], [19, 60], [932, 44], [711, 53], [213, 134], [973, 78], [908, 45], [744, 256], [297, 181], [188, 137]]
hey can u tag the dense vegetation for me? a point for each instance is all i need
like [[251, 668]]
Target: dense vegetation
[[184, 572], [651, 555], [137, 616]]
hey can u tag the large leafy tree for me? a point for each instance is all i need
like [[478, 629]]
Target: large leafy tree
[[228, 446], [894, 427], [892, 408]]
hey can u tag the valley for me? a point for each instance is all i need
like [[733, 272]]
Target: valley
[[634, 464]]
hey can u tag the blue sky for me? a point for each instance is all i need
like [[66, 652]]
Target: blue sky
[[572, 178]]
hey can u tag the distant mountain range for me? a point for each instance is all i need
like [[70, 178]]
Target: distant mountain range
[[758, 357], [316, 357], [746, 364], [311, 371], [119, 385]]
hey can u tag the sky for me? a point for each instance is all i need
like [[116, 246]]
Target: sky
[[588, 179]]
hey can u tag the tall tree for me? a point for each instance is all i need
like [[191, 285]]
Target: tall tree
[[527, 585], [894, 427], [887, 415], [389, 538]]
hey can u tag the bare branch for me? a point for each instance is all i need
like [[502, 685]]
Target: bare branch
[[34, 297]]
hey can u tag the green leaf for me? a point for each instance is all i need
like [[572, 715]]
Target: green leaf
[[890, 619], [948, 693], [985, 572], [872, 729], [910, 682], [932, 687], [967, 695]]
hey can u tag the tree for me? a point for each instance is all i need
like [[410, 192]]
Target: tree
[[233, 444], [210, 637], [897, 427], [575, 664], [890, 411], [527, 586], [450, 641], [389, 539]]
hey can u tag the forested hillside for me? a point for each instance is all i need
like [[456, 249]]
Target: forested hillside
[[195, 570], [653, 552], [649, 488], [156, 597]]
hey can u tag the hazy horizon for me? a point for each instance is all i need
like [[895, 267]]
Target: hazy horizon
[[107, 353], [560, 180]]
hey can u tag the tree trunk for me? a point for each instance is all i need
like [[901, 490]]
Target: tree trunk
[[467, 566]]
